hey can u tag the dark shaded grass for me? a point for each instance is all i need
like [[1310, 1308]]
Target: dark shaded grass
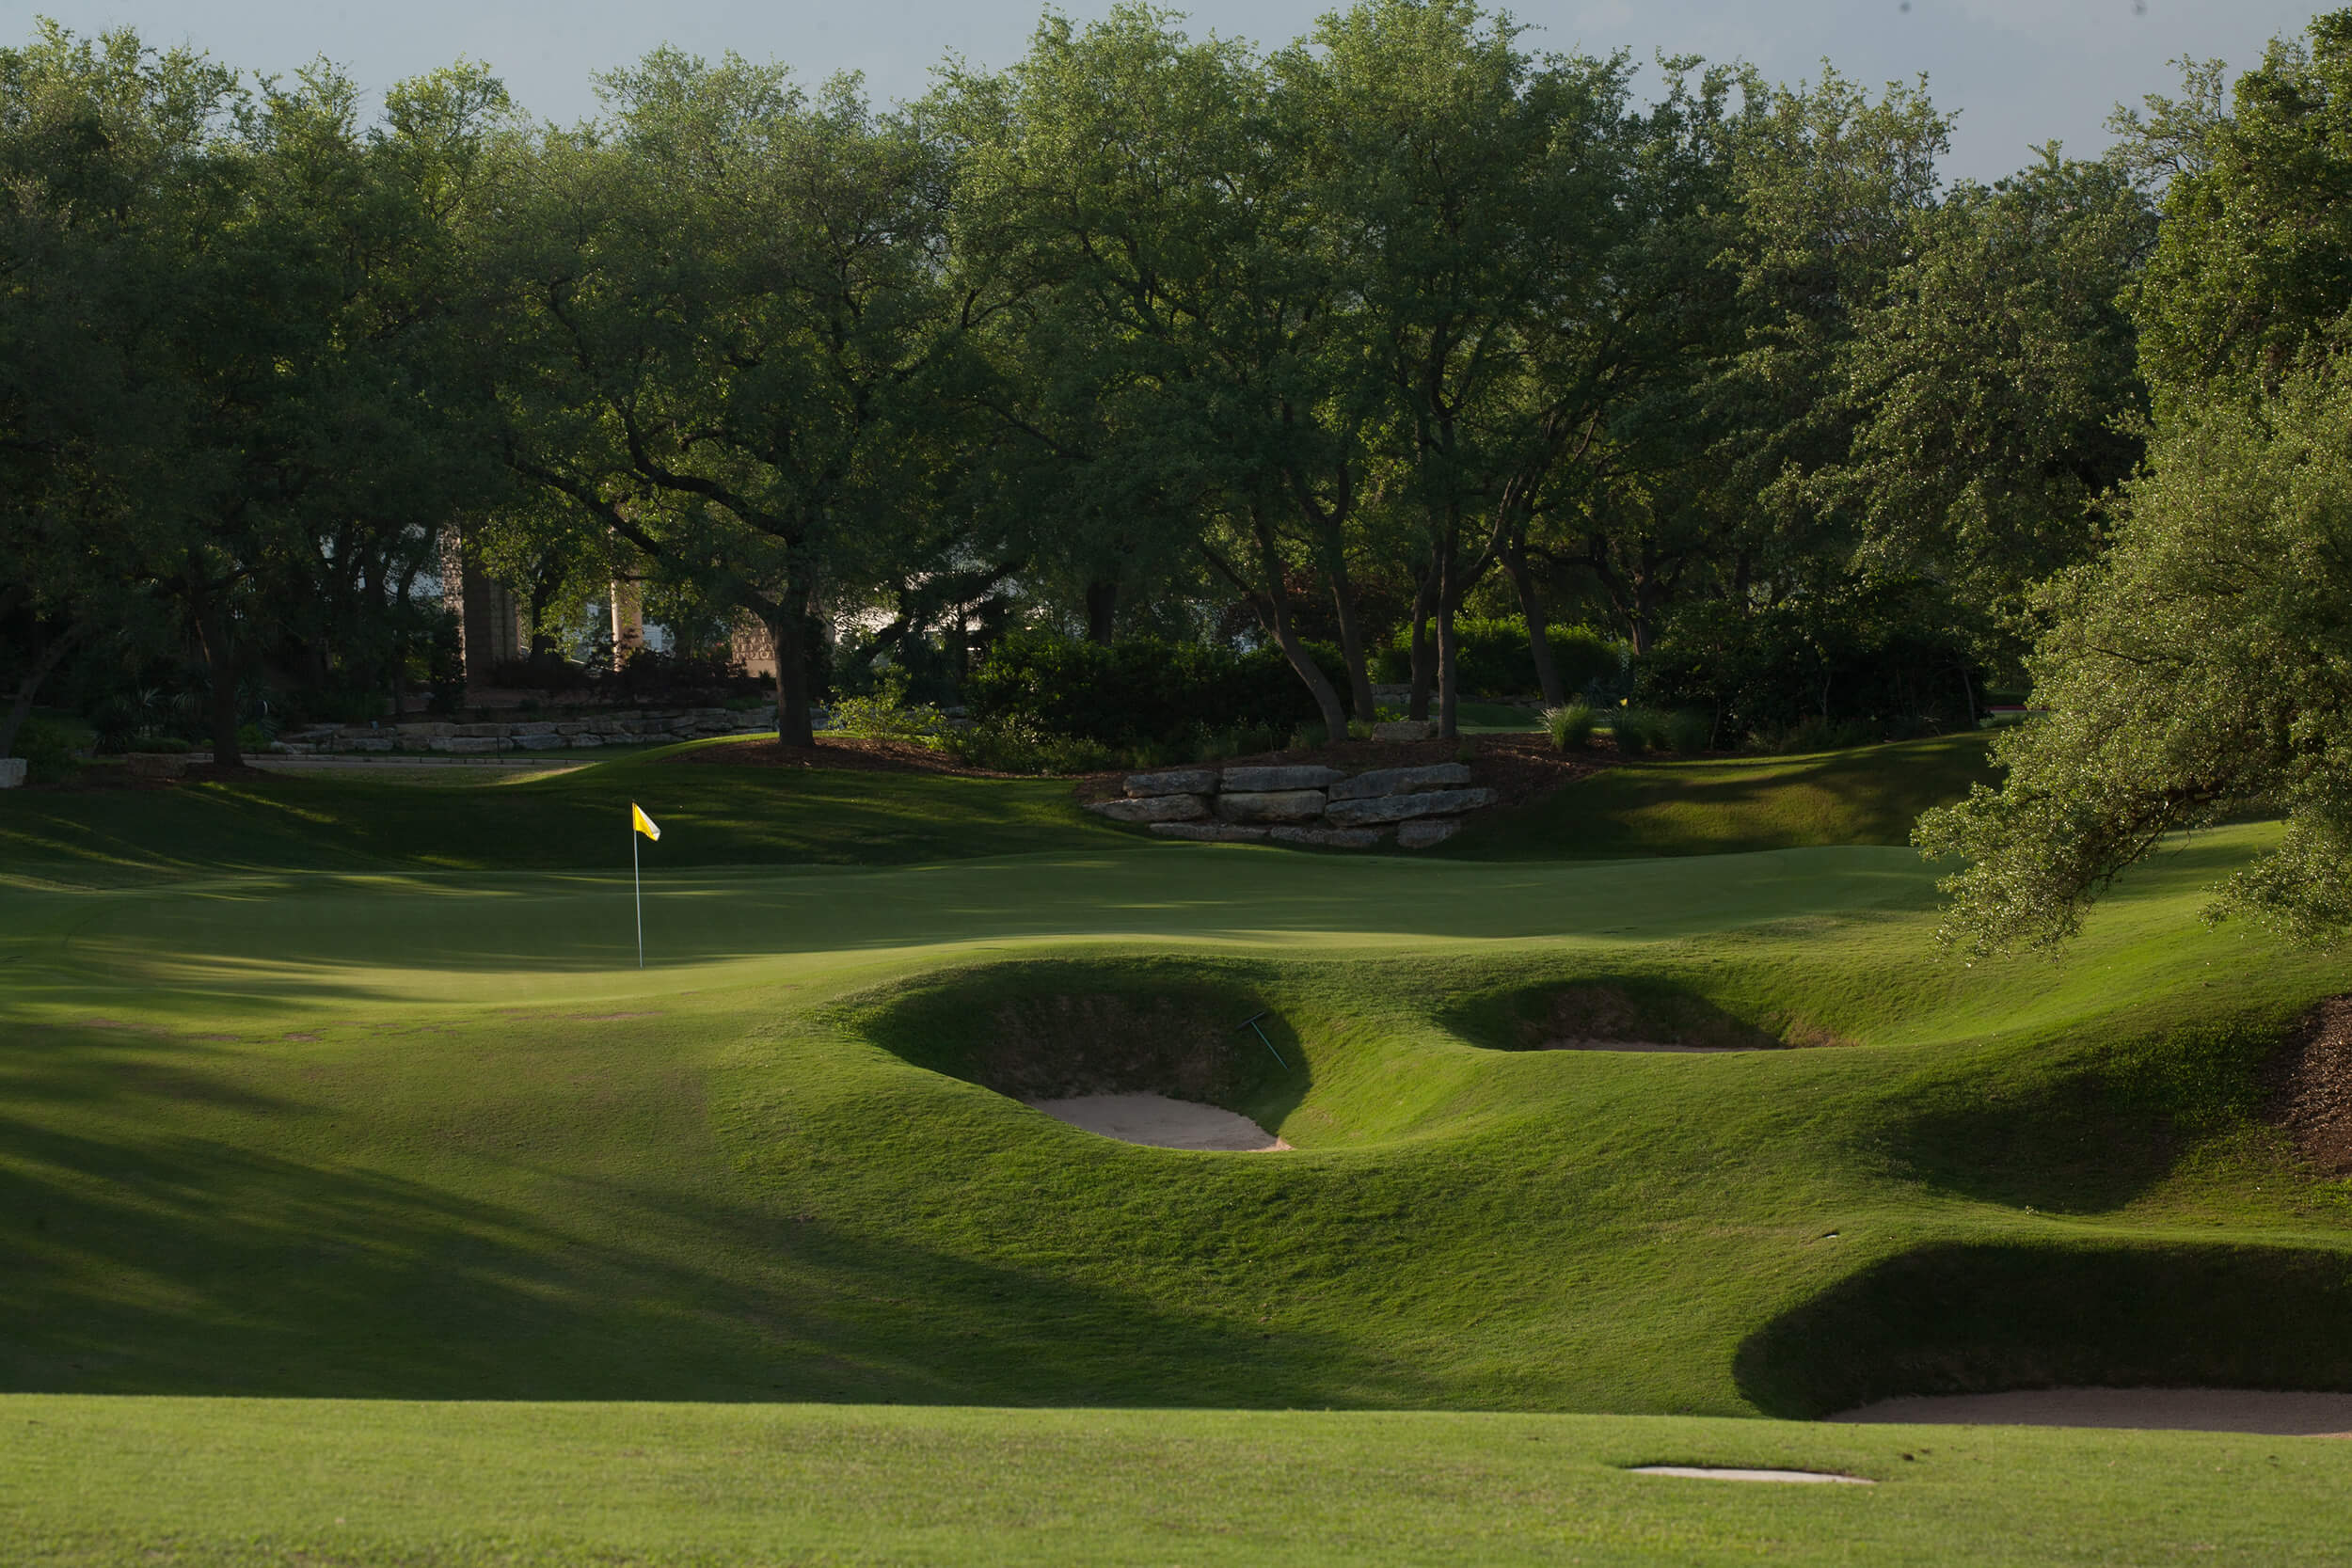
[[1871, 794]]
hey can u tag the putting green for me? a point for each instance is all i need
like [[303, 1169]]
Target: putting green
[[404, 1135]]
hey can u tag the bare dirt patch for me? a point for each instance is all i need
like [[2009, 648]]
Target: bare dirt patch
[[2311, 1085], [1161, 1122], [2270, 1411]]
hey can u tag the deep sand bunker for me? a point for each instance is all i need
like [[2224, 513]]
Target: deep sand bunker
[[1161, 1122], [1607, 1016], [2260, 1411]]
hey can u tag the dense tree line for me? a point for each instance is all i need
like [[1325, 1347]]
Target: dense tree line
[[1329, 348]]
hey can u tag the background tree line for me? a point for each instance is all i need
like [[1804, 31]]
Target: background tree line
[[1340, 352]]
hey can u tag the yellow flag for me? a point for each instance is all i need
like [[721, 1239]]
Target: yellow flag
[[643, 824]]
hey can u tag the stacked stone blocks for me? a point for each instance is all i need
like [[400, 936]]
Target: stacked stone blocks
[[1304, 803]]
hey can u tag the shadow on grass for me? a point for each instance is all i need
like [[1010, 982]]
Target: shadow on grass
[[1980, 1318], [1612, 1005], [2091, 1134], [1198, 1030], [1868, 796], [184, 1266]]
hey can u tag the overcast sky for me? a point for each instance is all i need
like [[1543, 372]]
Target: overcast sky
[[2021, 71]]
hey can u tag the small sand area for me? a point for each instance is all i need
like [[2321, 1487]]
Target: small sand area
[[1162, 1122], [1716, 1472], [1648, 1045], [2254, 1410]]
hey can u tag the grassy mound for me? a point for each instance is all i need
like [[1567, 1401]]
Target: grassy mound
[[1972, 1318], [1870, 794], [435, 1137], [384, 1135]]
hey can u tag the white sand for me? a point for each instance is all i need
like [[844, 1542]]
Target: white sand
[[1710, 1472], [1162, 1122], [2256, 1410], [1647, 1045]]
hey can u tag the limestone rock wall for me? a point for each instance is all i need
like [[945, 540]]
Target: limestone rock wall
[[1416, 807]]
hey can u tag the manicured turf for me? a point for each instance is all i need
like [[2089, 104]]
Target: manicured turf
[[236, 1483], [412, 1133], [1870, 794], [346, 820]]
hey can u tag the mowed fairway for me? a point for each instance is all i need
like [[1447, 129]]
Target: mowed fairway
[[383, 1132]]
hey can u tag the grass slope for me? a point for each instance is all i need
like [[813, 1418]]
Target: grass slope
[[427, 1134], [726, 816], [1870, 794], [430, 1136]]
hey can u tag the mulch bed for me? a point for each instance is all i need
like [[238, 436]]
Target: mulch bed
[[841, 754], [2311, 1086]]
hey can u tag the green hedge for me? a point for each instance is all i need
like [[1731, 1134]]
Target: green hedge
[[1142, 692], [1495, 660]]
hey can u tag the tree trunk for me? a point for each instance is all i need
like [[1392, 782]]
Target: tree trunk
[[1425, 648], [792, 694], [213, 632], [21, 707], [1448, 663], [1352, 645], [1271, 604], [1539, 635], [1276, 618], [1101, 612]]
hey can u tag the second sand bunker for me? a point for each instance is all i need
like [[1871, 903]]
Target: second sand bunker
[[1162, 1122]]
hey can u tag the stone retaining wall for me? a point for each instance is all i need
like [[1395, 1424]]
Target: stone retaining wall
[[1301, 804], [636, 727]]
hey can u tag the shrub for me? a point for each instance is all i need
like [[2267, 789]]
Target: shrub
[[1689, 732], [1637, 730], [881, 719], [1142, 692], [1217, 745], [1493, 659], [1888, 658], [1570, 728], [1819, 735], [47, 748], [1010, 745]]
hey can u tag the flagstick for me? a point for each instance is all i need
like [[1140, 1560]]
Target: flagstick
[[637, 879]]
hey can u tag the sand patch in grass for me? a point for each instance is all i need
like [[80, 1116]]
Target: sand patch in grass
[[1161, 1122]]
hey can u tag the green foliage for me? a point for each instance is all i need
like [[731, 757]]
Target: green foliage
[[2199, 668], [1012, 745], [1495, 659], [1688, 732], [1637, 730], [1570, 728], [1874, 657], [2251, 276], [884, 718], [1997, 381], [47, 748], [1138, 692]]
